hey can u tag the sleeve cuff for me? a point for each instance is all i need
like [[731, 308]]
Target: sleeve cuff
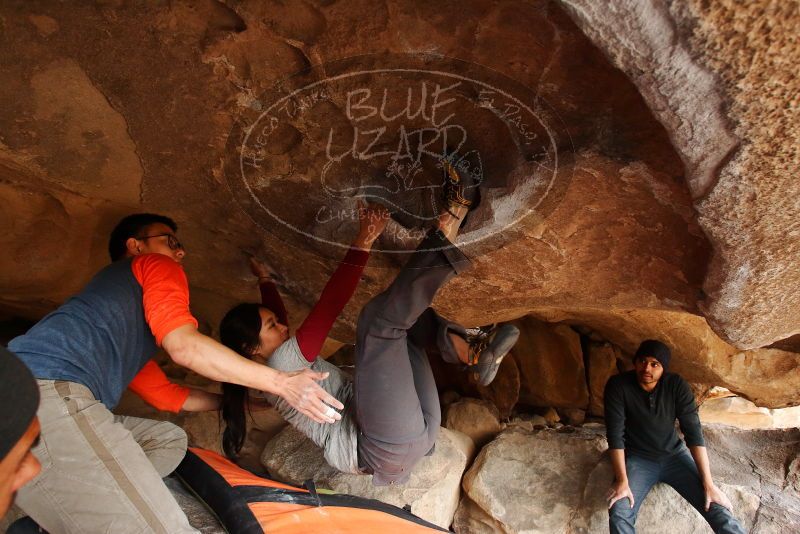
[[179, 399], [174, 324], [356, 256]]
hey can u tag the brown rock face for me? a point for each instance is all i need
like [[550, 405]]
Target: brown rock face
[[551, 366], [735, 411], [602, 366], [768, 377], [637, 181], [734, 67], [503, 392]]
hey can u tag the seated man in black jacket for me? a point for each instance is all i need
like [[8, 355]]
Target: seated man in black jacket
[[640, 409]]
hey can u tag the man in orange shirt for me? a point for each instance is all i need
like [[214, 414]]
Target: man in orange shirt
[[100, 472]]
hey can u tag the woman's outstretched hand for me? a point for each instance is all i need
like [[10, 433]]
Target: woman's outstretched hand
[[301, 391], [260, 270], [372, 222]]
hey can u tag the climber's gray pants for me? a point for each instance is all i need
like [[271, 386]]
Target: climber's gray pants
[[397, 403]]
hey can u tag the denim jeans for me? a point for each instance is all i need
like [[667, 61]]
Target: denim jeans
[[680, 472]]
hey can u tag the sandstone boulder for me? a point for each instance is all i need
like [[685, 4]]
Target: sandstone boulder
[[530, 482], [432, 492], [720, 406], [602, 363], [764, 462], [573, 416], [551, 366], [477, 419], [786, 417], [691, 60], [735, 411], [503, 392]]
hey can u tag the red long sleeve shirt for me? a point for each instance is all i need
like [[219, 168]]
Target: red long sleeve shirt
[[335, 296], [165, 295]]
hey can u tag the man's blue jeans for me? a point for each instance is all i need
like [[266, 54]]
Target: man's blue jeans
[[680, 472]]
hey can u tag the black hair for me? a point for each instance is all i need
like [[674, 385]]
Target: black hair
[[238, 331], [133, 226]]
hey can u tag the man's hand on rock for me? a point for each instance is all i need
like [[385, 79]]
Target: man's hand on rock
[[301, 391]]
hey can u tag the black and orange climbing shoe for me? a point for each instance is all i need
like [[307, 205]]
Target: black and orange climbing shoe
[[462, 175], [487, 348]]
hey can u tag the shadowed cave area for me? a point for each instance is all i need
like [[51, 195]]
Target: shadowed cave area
[[630, 190]]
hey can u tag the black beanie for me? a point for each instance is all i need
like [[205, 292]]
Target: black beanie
[[19, 400], [655, 349]]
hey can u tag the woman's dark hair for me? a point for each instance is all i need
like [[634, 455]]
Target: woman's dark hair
[[133, 226], [238, 331]]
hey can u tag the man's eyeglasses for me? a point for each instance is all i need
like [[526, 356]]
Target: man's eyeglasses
[[172, 241]]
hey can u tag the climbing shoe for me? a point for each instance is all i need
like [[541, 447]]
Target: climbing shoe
[[462, 174], [487, 348]]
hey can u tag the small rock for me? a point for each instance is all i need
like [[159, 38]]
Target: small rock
[[478, 419], [521, 424], [538, 420], [551, 416], [449, 397], [573, 416], [735, 411], [528, 422]]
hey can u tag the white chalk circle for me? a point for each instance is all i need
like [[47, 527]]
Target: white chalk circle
[[344, 117]]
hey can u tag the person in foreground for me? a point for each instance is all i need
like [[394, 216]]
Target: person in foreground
[[392, 414], [640, 411], [19, 427], [101, 472]]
